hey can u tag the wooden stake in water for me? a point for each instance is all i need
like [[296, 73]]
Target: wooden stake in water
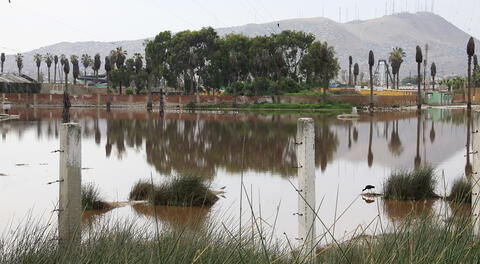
[[305, 142], [70, 204], [475, 180]]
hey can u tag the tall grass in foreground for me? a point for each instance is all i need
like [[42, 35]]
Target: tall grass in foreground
[[186, 190], [461, 191], [417, 184]]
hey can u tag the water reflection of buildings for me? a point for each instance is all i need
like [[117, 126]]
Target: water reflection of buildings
[[205, 142]]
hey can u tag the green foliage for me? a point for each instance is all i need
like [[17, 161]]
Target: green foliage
[[91, 199], [417, 184], [461, 191], [186, 190], [232, 59], [128, 91]]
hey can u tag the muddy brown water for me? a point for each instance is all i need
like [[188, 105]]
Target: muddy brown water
[[125, 146]]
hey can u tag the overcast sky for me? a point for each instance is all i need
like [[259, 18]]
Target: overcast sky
[[30, 24]]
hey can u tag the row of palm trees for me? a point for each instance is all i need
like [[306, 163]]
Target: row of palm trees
[[50, 59]]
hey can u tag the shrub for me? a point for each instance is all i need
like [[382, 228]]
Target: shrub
[[461, 191], [91, 199], [142, 190], [418, 184], [179, 191], [128, 91]]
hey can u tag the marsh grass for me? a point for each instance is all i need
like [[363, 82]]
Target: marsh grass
[[417, 184], [188, 190], [461, 191], [91, 199]]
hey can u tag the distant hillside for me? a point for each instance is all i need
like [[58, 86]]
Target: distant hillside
[[447, 42]]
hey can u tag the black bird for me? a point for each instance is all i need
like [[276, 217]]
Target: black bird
[[368, 187]]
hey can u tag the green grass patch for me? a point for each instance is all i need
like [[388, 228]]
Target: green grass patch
[[91, 199], [186, 190], [277, 106], [417, 184], [461, 191]]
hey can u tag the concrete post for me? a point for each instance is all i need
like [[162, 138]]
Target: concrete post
[[475, 180], [70, 205], [305, 142]]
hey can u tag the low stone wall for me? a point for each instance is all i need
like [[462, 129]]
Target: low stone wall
[[173, 101]]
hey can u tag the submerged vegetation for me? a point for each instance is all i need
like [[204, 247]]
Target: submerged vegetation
[[461, 191], [186, 190], [417, 184], [91, 199]]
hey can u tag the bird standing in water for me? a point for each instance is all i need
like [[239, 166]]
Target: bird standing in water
[[368, 187]]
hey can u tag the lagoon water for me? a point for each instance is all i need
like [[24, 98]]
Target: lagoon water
[[125, 146]]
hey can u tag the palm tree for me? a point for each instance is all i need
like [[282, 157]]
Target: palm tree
[[356, 71], [371, 62], [433, 72], [48, 61], [97, 62], [63, 58], [86, 62], [350, 61], [419, 59], [138, 62], [108, 68], [148, 69], [118, 57], [396, 60], [470, 53], [2, 60], [55, 61], [38, 60], [76, 68], [66, 99], [19, 60]]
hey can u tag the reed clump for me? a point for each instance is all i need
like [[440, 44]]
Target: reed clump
[[188, 190], [91, 199], [461, 191], [416, 184]]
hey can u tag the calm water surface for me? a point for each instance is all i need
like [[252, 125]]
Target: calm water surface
[[124, 147]]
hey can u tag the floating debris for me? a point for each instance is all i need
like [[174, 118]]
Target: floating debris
[[3, 174], [21, 164], [87, 168], [43, 164]]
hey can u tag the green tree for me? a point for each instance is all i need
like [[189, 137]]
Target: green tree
[[433, 72], [396, 60], [19, 61], [38, 61], [118, 57], [55, 61], [320, 65], [350, 62], [470, 53], [2, 60], [293, 46], [419, 60], [86, 62], [108, 69], [75, 67], [48, 61], [97, 63]]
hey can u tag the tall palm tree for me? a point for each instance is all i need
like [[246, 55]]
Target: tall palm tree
[[396, 60], [108, 69], [350, 62], [97, 62], [48, 61], [38, 61], [419, 59], [138, 62], [433, 72], [118, 57], [2, 60], [55, 61], [62, 59], [86, 62], [470, 53], [75, 68], [371, 62], [66, 98], [148, 69], [356, 71], [19, 60]]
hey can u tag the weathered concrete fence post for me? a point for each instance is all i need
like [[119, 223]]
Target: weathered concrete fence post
[[70, 205], [305, 142], [475, 179]]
